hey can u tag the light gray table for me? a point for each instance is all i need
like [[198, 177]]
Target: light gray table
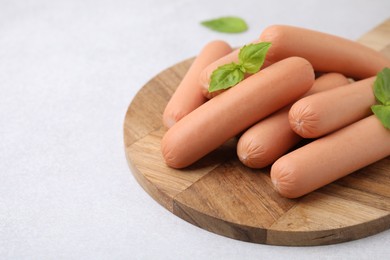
[[68, 71]]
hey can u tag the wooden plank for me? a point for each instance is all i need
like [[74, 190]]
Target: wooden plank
[[234, 193], [145, 156], [378, 38]]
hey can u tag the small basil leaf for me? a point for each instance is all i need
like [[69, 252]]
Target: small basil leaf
[[225, 76], [228, 24], [252, 56]]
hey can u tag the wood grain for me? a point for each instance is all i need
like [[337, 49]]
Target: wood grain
[[221, 195]]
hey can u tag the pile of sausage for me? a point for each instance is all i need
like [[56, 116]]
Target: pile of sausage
[[273, 109]]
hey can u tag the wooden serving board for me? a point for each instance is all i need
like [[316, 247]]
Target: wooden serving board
[[221, 195]]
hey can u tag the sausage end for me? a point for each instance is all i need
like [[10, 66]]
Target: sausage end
[[170, 154], [303, 120], [170, 117], [283, 177], [251, 154]]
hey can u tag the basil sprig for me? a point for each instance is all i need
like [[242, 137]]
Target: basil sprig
[[250, 59]]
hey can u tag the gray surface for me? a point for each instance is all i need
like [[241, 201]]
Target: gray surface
[[68, 71]]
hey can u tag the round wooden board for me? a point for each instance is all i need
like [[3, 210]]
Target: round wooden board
[[221, 195]]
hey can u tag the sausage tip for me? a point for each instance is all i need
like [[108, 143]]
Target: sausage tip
[[284, 177], [251, 154], [168, 155], [169, 122], [204, 79], [303, 120], [243, 157], [297, 125], [276, 184]]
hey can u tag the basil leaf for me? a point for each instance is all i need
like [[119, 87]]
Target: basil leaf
[[382, 87], [228, 24], [252, 56], [383, 114], [225, 76]]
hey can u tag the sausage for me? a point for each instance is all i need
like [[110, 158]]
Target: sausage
[[188, 95], [221, 118], [266, 141], [324, 112], [331, 157], [326, 52]]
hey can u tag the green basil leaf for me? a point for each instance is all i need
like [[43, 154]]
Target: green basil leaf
[[383, 114], [228, 24], [225, 76], [382, 87], [252, 56]]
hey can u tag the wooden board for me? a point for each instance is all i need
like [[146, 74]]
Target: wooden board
[[219, 194]]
